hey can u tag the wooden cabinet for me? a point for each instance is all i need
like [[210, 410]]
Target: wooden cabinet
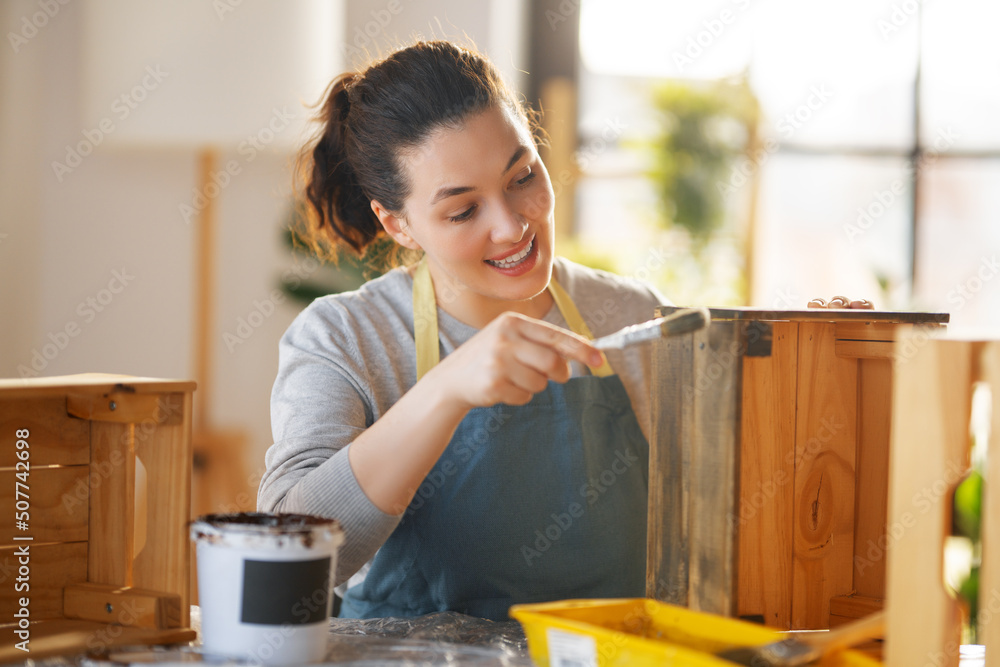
[[95, 495], [769, 463]]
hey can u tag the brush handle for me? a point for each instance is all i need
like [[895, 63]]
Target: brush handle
[[847, 635], [684, 321]]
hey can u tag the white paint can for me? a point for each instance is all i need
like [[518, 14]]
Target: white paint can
[[265, 585]]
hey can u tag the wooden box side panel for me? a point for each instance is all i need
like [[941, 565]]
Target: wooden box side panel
[[872, 493], [767, 480], [163, 564], [669, 466], [55, 437], [826, 428], [928, 454], [50, 567]]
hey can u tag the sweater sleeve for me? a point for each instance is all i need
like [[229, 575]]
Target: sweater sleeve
[[318, 407]]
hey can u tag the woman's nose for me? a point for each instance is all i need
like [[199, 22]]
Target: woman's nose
[[508, 225]]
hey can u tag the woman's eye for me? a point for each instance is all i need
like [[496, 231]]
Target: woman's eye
[[521, 182], [464, 215]]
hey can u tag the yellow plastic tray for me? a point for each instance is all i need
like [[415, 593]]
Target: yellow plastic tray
[[640, 632]]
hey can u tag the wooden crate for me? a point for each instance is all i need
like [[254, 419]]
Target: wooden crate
[[107, 558], [769, 463], [930, 452]]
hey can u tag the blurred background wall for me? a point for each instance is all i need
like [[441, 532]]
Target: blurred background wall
[[858, 155]]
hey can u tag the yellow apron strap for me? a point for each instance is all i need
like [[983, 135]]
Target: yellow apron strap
[[425, 322], [575, 321]]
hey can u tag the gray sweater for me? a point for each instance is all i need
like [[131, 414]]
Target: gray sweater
[[347, 358]]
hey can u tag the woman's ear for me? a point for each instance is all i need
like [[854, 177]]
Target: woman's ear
[[394, 226]]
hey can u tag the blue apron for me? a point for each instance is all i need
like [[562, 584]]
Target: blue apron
[[531, 503]]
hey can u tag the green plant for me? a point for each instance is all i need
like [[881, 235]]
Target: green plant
[[704, 128]]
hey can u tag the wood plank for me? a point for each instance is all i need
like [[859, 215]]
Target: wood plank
[[99, 383], [164, 564], [115, 406], [51, 567], [930, 413], [58, 500], [767, 480], [669, 464], [71, 637], [872, 491], [886, 331], [864, 349], [989, 583], [854, 606], [54, 437], [824, 476], [715, 460], [822, 315], [112, 504], [126, 606]]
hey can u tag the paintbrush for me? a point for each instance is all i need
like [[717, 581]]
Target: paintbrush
[[807, 647], [681, 322]]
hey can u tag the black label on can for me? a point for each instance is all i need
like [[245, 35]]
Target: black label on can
[[279, 592]]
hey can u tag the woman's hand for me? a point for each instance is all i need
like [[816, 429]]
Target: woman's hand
[[842, 302], [509, 360]]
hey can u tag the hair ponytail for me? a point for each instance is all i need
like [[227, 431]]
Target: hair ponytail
[[336, 201]]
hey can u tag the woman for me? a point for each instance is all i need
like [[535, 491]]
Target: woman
[[477, 450]]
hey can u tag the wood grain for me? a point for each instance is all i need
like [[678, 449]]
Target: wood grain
[[714, 473], [824, 476], [116, 406], [126, 606], [112, 504], [864, 349], [58, 503], [767, 480], [872, 492], [846, 608], [54, 438], [928, 454], [669, 464], [163, 563], [99, 383], [52, 566]]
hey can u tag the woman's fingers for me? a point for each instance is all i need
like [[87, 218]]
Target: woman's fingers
[[566, 343], [841, 302]]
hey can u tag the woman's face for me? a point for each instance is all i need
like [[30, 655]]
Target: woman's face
[[481, 208]]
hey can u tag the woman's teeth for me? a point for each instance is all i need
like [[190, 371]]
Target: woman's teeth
[[513, 260]]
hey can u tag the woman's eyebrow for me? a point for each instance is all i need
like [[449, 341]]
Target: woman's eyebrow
[[444, 193]]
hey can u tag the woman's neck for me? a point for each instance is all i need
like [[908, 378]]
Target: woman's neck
[[477, 310]]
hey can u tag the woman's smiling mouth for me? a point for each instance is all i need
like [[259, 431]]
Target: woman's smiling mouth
[[515, 259]]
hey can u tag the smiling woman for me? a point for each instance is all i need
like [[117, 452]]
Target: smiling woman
[[446, 410]]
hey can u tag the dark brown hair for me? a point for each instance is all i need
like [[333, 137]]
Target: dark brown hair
[[369, 120]]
